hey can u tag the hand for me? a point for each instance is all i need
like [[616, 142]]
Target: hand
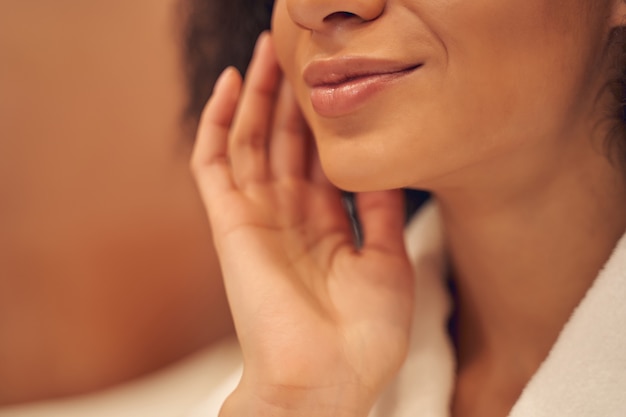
[[323, 325]]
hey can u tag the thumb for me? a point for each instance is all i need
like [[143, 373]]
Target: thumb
[[382, 220]]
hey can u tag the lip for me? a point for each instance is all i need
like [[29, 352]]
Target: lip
[[341, 86]]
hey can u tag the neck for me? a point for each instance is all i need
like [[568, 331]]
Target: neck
[[523, 257]]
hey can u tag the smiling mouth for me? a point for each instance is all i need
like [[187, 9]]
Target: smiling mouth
[[334, 80], [338, 93], [336, 71]]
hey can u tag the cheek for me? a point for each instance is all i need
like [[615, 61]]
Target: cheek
[[518, 68], [285, 34], [290, 43]]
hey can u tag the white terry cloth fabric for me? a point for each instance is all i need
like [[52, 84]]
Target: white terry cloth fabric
[[585, 373], [583, 376]]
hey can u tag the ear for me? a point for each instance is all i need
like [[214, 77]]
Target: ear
[[618, 13]]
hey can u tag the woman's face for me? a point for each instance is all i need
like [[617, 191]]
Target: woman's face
[[422, 92]]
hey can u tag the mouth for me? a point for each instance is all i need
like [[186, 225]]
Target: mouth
[[339, 87], [330, 75]]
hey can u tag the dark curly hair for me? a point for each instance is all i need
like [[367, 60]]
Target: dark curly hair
[[215, 35], [616, 139]]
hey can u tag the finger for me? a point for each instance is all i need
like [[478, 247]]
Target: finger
[[249, 135], [291, 134], [209, 160], [382, 220]]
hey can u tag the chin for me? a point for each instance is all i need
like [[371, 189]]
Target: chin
[[367, 161], [358, 174]]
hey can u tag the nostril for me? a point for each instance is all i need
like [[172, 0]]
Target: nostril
[[339, 16]]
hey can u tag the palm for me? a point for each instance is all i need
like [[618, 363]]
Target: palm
[[311, 310]]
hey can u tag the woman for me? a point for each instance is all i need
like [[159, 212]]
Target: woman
[[503, 111]]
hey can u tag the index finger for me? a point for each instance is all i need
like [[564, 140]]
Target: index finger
[[209, 160]]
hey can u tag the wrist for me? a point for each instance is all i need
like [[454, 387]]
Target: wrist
[[249, 401]]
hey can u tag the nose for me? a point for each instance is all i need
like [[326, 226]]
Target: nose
[[322, 15]]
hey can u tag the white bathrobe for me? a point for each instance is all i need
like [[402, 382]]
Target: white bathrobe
[[583, 376]]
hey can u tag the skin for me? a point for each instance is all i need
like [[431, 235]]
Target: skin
[[106, 267], [457, 93], [531, 203], [309, 283]]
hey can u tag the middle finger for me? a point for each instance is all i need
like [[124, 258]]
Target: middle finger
[[248, 144]]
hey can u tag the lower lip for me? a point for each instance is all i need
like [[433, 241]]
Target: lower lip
[[341, 99]]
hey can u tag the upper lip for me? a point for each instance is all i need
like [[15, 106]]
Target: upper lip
[[328, 72]]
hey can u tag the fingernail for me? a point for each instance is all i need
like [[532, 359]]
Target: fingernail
[[222, 78], [261, 40]]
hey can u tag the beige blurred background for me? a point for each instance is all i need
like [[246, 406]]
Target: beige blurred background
[[106, 268]]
